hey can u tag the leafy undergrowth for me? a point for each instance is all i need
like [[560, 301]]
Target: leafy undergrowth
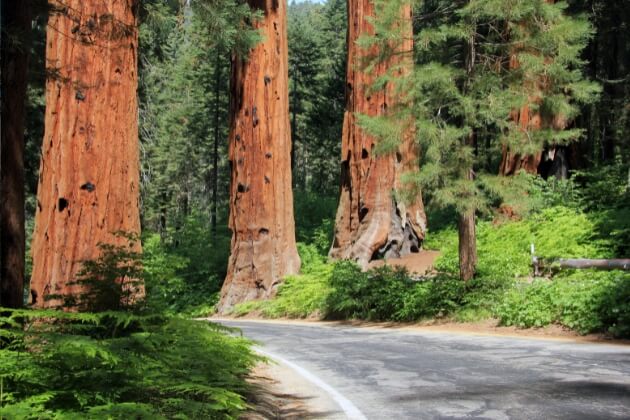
[[184, 268], [117, 354], [304, 295], [299, 296], [585, 301], [118, 365]]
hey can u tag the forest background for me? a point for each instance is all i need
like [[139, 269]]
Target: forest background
[[578, 208], [184, 123]]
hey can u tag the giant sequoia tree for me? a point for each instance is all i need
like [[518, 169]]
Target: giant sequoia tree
[[15, 27], [372, 220], [544, 52], [261, 200], [89, 184]]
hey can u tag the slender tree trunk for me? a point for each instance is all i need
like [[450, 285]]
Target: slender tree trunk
[[261, 199], [217, 137], [294, 134], [466, 224], [89, 175], [467, 246], [15, 22], [371, 221]]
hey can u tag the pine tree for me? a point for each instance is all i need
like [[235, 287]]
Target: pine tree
[[607, 121], [305, 59], [325, 118], [317, 72], [550, 42], [464, 90], [184, 114]]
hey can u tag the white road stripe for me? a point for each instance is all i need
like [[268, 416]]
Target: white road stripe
[[352, 412]]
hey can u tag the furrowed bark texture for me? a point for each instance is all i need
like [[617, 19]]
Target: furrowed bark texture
[[89, 177], [16, 23], [467, 235], [528, 121], [371, 222], [261, 200], [467, 246]]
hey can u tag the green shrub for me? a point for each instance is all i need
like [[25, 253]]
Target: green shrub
[[112, 282], [166, 290], [389, 294], [185, 269], [525, 194], [303, 295], [615, 306], [605, 187], [314, 222], [504, 249], [528, 306], [300, 296], [582, 300], [613, 226], [585, 301], [125, 360], [434, 298], [168, 286], [375, 295]]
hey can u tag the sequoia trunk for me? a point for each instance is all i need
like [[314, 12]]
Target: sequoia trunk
[[16, 23], [371, 221], [89, 176], [527, 121], [261, 200], [512, 163]]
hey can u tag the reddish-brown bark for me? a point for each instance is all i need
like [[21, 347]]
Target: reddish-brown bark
[[371, 221], [16, 23], [89, 181], [261, 200], [527, 121]]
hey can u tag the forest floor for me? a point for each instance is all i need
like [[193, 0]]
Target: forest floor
[[419, 264]]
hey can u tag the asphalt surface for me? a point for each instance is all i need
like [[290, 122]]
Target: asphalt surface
[[401, 374]]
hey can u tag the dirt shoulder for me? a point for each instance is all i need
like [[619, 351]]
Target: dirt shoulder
[[278, 392], [489, 328]]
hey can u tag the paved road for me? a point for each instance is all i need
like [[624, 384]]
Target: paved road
[[401, 374]]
